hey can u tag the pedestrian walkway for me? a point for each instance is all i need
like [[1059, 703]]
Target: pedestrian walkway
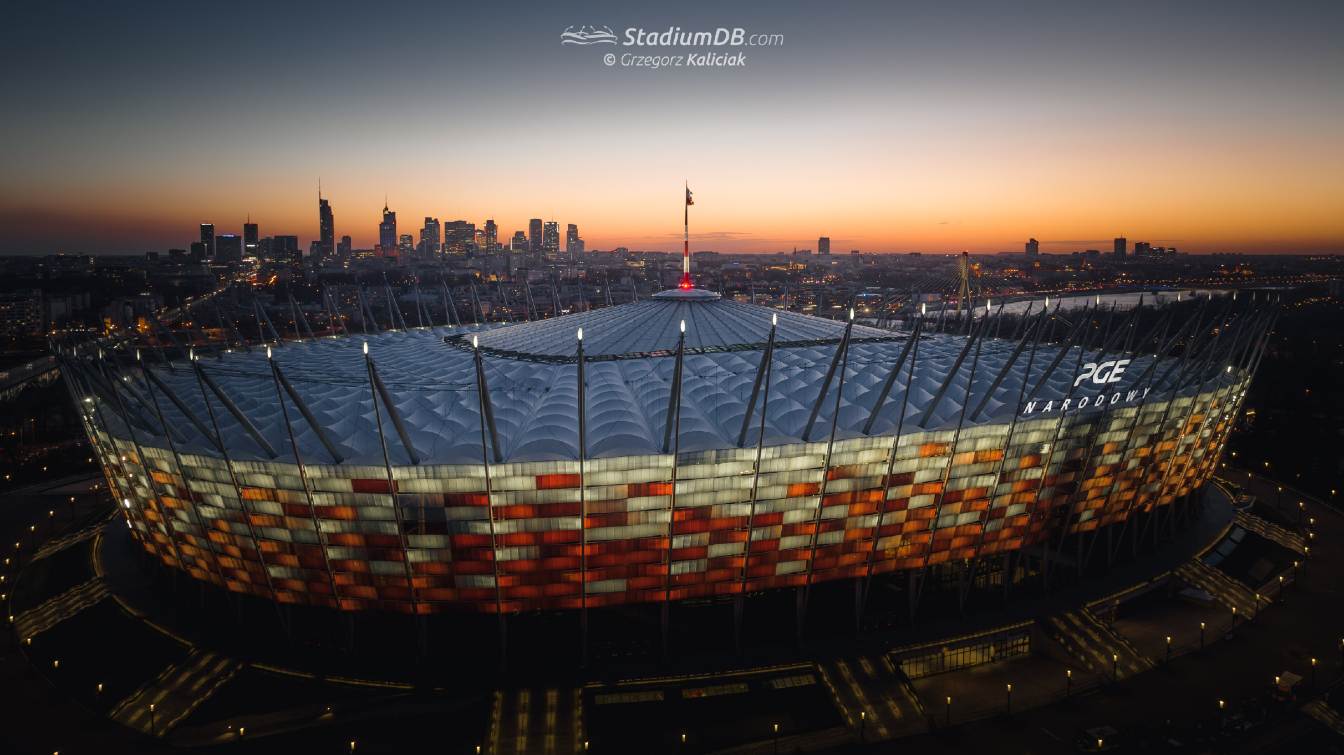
[[537, 720], [1223, 588], [163, 702], [1293, 541], [56, 545], [875, 699], [1095, 645], [1321, 711], [30, 624]]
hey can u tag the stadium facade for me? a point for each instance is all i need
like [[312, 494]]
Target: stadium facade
[[679, 447]]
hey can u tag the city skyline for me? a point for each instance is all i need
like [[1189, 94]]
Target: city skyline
[[887, 128], [326, 232]]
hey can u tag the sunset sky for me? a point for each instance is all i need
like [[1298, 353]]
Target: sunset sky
[[888, 126]]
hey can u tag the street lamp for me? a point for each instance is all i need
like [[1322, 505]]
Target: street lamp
[[1168, 648], [863, 724], [1201, 635], [1115, 666], [1010, 699], [1068, 682], [948, 718], [153, 729]]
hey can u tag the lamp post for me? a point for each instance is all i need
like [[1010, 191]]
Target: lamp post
[[1222, 706], [1313, 673], [863, 725], [1068, 683], [1234, 617], [1115, 667], [948, 717], [1168, 648], [153, 728], [775, 737], [1010, 699], [1201, 635]]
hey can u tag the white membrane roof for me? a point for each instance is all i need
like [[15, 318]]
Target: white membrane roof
[[531, 374]]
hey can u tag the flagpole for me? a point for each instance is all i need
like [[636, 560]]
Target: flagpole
[[686, 239]]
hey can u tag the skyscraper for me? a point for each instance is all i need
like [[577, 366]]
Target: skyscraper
[[573, 244], [1121, 246], [550, 238], [343, 247], [519, 243], [429, 238], [286, 249], [250, 246], [1032, 248], [405, 245], [326, 227], [491, 235], [534, 235], [387, 233], [229, 247], [208, 238], [459, 236], [824, 245]]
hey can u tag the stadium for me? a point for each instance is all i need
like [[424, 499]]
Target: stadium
[[680, 448]]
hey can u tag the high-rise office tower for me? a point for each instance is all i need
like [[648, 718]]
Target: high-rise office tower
[[326, 227], [1121, 246], [387, 233], [459, 236], [534, 235], [491, 235], [1032, 248], [208, 238], [430, 244], [572, 239], [1142, 249], [286, 249], [250, 246], [824, 245], [229, 247], [550, 238], [343, 247], [198, 251], [405, 245], [519, 243]]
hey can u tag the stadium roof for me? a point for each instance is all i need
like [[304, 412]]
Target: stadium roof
[[531, 374]]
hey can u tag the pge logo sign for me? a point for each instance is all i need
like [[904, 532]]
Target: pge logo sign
[[1102, 373]]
